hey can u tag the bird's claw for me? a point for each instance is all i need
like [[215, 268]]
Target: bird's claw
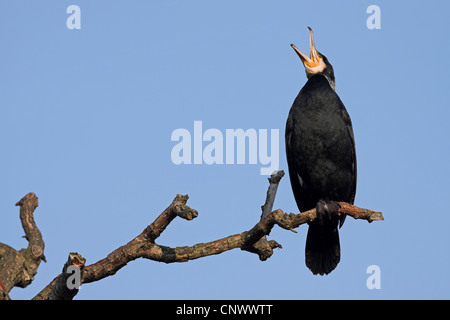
[[326, 210]]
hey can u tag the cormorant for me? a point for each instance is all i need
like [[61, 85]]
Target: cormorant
[[321, 156]]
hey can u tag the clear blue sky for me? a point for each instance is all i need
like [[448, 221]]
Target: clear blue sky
[[86, 118]]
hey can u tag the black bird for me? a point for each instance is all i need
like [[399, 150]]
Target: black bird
[[321, 156]]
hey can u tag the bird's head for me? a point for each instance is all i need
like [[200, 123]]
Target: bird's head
[[316, 63]]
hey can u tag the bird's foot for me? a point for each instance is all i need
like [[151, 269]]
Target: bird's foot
[[326, 210]]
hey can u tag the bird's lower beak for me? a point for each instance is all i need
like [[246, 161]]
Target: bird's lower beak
[[314, 58]]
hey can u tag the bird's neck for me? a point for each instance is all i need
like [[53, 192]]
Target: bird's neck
[[331, 82]]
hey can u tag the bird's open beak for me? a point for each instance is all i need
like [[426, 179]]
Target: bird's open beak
[[314, 59]]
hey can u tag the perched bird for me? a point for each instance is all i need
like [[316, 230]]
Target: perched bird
[[321, 156]]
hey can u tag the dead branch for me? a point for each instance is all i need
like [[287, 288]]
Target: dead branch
[[18, 268], [60, 289], [274, 180], [263, 247], [144, 246]]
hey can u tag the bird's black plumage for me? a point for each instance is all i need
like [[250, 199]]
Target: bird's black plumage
[[320, 150]]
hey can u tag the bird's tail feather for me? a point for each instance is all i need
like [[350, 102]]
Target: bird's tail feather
[[323, 251]]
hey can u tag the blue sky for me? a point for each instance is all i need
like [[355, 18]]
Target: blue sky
[[86, 118]]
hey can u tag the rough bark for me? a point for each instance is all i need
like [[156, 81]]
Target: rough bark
[[17, 268], [61, 289]]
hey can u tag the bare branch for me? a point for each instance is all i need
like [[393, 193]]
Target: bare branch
[[18, 268], [143, 245], [264, 248], [60, 290], [274, 180], [176, 208]]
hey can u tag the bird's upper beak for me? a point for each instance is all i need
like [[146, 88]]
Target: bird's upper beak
[[314, 59]]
